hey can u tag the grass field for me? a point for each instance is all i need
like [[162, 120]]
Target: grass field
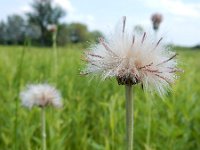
[[93, 115]]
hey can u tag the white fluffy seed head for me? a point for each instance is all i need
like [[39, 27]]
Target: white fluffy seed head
[[132, 59], [40, 95]]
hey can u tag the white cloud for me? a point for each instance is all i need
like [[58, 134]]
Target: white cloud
[[83, 18], [25, 8], [73, 15], [176, 7], [66, 5], [181, 20]]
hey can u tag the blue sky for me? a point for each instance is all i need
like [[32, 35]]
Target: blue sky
[[181, 24]]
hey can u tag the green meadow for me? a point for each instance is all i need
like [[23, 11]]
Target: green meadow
[[93, 112]]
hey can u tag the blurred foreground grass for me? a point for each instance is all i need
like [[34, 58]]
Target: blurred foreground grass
[[93, 115]]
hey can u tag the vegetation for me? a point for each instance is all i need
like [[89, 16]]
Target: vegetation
[[43, 15], [93, 115], [34, 27]]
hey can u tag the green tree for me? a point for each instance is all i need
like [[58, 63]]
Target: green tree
[[78, 32], [63, 35], [15, 28], [95, 35], [32, 33], [3, 32], [44, 14]]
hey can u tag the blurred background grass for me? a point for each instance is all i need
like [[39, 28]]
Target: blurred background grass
[[93, 115]]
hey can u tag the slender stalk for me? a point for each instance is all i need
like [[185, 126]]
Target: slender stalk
[[43, 128], [155, 34], [17, 82], [149, 123], [54, 37], [129, 117]]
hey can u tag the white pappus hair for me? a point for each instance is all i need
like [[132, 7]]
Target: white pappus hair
[[132, 59], [40, 95]]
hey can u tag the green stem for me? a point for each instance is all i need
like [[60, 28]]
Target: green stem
[[43, 128], [17, 82], [129, 117], [54, 37], [155, 34], [149, 123]]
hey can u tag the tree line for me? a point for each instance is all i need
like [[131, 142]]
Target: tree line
[[34, 27]]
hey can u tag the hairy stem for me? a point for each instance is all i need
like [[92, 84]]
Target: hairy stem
[[43, 128], [129, 117]]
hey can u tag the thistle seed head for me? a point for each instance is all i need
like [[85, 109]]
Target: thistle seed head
[[40, 95], [132, 59]]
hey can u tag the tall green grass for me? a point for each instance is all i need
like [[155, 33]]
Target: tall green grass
[[93, 115]]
